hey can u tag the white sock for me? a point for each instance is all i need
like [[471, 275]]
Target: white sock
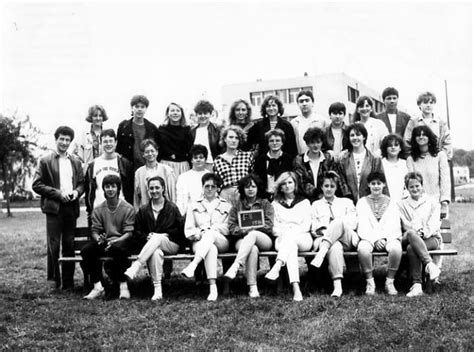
[[98, 285]]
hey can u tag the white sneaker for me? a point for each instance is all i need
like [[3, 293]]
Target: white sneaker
[[390, 288], [188, 271], [432, 270], [212, 296], [273, 274], [133, 270], [95, 293], [370, 288], [253, 292], [297, 296], [232, 272], [319, 258], [124, 292], [415, 290]]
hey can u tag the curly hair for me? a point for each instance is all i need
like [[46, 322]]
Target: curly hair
[[267, 100], [390, 139], [238, 131], [233, 118]]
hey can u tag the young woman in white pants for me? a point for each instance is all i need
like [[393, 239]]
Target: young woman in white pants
[[291, 228], [250, 240], [159, 230], [206, 227]]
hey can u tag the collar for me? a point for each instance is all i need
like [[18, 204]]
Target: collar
[[279, 155], [433, 119], [245, 204], [417, 203], [306, 158], [221, 206], [57, 156]]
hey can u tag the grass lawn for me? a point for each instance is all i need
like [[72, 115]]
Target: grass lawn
[[33, 317]]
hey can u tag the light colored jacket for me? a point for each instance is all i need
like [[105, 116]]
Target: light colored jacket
[[198, 218], [422, 214]]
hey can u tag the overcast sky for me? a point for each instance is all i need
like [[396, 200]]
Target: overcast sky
[[57, 59]]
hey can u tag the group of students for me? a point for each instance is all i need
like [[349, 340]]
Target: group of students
[[321, 185]]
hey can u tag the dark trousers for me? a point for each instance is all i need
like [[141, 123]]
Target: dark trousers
[[417, 252], [119, 252], [60, 233]]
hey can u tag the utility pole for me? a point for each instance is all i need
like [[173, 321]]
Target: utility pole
[[451, 172]]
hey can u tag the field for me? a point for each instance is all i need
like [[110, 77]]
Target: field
[[33, 317]]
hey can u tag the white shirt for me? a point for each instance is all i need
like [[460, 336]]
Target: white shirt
[[65, 175], [301, 124], [376, 131], [337, 133], [392, 118], [102, 168], [359, 161], [189, 188], [202, 137], [314, 164], [395, 175], [342, 208]]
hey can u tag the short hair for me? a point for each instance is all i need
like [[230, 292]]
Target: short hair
[[277, 132], [358, 127], [211, 176], [278, 194], [360, 102], [387, 142], [313, 134], [389, 91], [413, 176], [203, 106], [432, 141], [108, 132], [160, 180], [93, 110], [197, 149], [65, 131], [182, 121], [146, 143], [233, 118], [246, 181], [112, 180], [139, 99], [337, 107], [425, 97], [307, 93], [333, 176], [238, 131], [376, 175], [266, 101]]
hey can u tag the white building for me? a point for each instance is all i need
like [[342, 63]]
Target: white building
[[327, 89], [461, 175]]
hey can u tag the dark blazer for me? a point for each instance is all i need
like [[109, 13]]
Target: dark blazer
[[169, 221], [46, 183], [126, 176], [306, 181], [371, 163], [126, 139], [400, 124], [214, 135], [284, 163], [256, 135], [330, 138]]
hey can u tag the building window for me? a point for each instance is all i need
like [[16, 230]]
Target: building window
[[378, 106], [256, 98], [352, 94], [293, 93], [283, 95]]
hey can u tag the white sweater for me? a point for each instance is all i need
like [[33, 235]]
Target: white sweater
[[368, 228], [296, 219]]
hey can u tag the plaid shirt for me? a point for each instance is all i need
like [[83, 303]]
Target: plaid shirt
[[231, 173]]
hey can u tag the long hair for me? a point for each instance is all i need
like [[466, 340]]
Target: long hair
[[233, 118], [432, 141], [278, 195]]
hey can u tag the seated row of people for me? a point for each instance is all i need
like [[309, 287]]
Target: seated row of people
[[290, 224]]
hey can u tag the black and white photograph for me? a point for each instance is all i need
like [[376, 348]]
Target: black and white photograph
[[236, 175]]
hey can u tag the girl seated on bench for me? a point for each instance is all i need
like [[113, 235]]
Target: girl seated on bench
[[420, 216], [206, 227], [379, 229], [250, 241], [291, 228]]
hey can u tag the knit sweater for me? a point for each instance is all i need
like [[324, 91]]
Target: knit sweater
[[370, 229], [294, 218], [113, 223], [435, 172]]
